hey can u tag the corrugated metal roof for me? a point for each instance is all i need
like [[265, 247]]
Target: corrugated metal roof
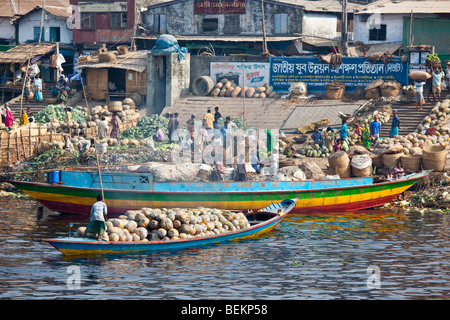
[[24, 51], [403, 7], [12, 8], [240, 38], [308, 5], [322, 5], [134, 61]]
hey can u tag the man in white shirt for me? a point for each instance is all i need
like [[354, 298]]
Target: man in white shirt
[[419, 94], [97, 217]]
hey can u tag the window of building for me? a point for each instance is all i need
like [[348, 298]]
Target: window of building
[[36, 31], [210, 25], [378, 33], [281, 22], [87, 20], [160, 23], [349, 23], [119, 20], [55, 34]]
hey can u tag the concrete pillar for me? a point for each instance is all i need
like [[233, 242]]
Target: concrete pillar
[[168, 78]]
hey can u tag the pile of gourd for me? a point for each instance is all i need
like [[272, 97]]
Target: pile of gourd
[[383, 118], [226, 88], [171, 224], [437, 118], [315, 151], [414, 142]]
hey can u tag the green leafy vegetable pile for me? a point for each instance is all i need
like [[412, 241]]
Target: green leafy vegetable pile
[[146, 127]]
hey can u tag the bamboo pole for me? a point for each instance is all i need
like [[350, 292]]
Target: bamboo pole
[[23, 145], [17, 147], [29, 141], [9, 147], [25, 81], [99, 172]]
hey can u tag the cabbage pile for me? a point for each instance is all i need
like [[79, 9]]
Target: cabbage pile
[[45, 116]]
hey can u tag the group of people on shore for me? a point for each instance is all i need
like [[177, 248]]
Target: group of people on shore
[[438, 81], [340, 142], [8, 119]]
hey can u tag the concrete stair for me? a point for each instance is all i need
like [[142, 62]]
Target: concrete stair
[[410, 118], [34, 105]]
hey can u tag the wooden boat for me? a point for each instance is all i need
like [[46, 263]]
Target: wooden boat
[[76, 192], [261, 222]]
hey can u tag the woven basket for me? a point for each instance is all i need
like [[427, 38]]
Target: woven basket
[[377, 160], [411, 162], [434, 157], [335, 93], [390, 159], [338, 159], [372, 93], [343, 172], [366, 172], [340, 164]]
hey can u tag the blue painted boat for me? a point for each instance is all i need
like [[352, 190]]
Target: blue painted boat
[[77, 191], [261, 222]]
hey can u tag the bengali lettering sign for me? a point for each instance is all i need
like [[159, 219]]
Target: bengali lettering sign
[[256, 74], [354, 72], [219, 6]]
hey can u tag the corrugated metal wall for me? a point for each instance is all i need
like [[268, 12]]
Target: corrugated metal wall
[[428, 31]]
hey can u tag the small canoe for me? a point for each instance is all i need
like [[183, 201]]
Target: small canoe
[[261, 222]]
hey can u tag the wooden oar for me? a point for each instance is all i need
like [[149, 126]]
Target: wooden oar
[[99, 171]]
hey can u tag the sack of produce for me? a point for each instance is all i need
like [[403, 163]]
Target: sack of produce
[[419, 75], [106, 57], [361, 165], [374, 84], [297, 89]]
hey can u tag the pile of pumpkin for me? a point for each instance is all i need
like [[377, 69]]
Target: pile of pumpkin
[[170, 224], [226, 88]]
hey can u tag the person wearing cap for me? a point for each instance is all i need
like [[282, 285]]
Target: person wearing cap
[[395, 124]]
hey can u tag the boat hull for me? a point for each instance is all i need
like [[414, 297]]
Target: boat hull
[[315, 197], [83, 246]]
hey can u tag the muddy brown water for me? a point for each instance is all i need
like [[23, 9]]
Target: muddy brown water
[[367, 255]]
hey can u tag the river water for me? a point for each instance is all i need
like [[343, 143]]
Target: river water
[[367, 255]]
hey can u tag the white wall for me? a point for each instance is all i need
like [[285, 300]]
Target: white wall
[[394, 28], [320, 24], [7, 30], [27, 24]]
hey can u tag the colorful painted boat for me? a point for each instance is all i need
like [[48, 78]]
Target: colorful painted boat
[[76, 191], [261, 222]]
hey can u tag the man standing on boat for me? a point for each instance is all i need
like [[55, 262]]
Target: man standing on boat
[[97, 217]]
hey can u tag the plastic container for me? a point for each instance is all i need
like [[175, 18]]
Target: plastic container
[[54, 176]]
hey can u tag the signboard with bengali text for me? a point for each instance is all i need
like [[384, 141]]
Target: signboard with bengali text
[[354, 72], [256, 73], [219, 6]]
